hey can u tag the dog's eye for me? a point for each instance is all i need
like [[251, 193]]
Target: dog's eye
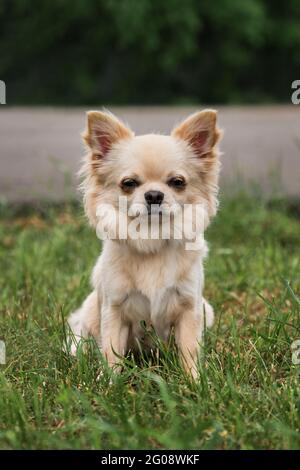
[[177, 182], [129, 183]]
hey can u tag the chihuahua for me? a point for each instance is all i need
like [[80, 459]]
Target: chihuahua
[[138, 280]]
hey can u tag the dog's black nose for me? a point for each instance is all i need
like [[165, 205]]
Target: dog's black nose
[[154, 197]]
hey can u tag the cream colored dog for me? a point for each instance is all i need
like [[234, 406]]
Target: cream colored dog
[[135, 280]]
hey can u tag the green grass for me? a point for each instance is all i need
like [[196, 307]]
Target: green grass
[[248, 395]]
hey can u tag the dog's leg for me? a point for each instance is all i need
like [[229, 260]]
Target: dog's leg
[[208, 313], [85, 322], [188, 332], [114, 335]]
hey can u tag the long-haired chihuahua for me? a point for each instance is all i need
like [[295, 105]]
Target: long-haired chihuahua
[[150, 198]]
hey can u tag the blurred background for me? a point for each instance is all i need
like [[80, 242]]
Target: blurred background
[[152, 62]]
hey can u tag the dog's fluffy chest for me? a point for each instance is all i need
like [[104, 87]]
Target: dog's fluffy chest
[[153, 284], [152, 288]]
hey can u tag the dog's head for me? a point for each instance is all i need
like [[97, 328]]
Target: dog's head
[[155, 173]]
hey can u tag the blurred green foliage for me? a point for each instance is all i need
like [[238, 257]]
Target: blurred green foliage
[[149, 51]]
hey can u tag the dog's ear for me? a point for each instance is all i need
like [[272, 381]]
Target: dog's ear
[[102, 131], [199, 131]]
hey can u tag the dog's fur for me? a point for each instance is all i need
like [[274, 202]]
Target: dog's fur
[[155, 281]]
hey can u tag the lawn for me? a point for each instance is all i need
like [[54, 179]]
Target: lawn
[[248, 394]]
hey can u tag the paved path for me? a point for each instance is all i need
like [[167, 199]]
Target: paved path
[[40, 148]]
